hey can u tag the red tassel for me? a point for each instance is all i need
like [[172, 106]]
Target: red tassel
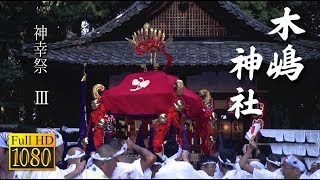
[[204, 130], [160, 133], [98, 133], [168, 56]]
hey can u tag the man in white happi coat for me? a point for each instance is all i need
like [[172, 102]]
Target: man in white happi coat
[[156, 166], [294, 167], [257, 169], [101, 164], [207, 166], [227, 166], [73, 158], [173, 166], [126, 169], [57, 173], [315, 170]]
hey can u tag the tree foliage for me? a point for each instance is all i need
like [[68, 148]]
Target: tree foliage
[[267, 10], [18, 19]]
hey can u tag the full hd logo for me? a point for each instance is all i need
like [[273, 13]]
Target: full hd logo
[[32, 151]]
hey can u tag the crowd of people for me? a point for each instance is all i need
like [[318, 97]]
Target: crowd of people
[[111, 161]]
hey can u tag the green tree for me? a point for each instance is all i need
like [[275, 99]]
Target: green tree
[[267, 10], [18, 19]]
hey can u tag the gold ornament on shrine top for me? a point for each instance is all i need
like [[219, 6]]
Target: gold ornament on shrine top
[[96, 89], [151, 40], [179, 87]]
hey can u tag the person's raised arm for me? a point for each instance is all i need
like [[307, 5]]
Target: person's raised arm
[[147, 158], [244, 160]]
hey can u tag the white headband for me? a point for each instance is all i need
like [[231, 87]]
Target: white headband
[[295, 162], [277, 163], [4, 139], [96, 156], [76, 155], [226, 163], [158, 163], [175, 156], [210, 162], [122, 150]]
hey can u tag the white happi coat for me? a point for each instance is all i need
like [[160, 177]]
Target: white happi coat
[[237, 173], [173, 169], [131, 171], [204, 175], [21, 175], [315, 175], [304, 176], [56, 174], [69, 170], [93, 172], [266, 174]]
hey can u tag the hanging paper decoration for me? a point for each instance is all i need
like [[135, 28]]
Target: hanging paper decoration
[[260, 105]]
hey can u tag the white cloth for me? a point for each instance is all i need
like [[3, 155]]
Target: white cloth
[[204, 175], [70, 169], [237, 166], [315, 175], [93, 172], [96, 156], [300, 150], [288, 148], [300, 136], [235, 174], [278, 135], [288, 135], [56, 174], [244, 174], [21, 175], [131, 171], [304, 176], [137, 172], [266, 174], [310, 161], [267, 133], [256, 164], [295, 162], [76, 155], [276, 163], [276, 148], [173, 169], [312, 135], [122, 171], [312, 150], [218, 175]]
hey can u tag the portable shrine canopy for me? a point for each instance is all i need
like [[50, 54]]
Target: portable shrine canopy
[[147, 94]]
